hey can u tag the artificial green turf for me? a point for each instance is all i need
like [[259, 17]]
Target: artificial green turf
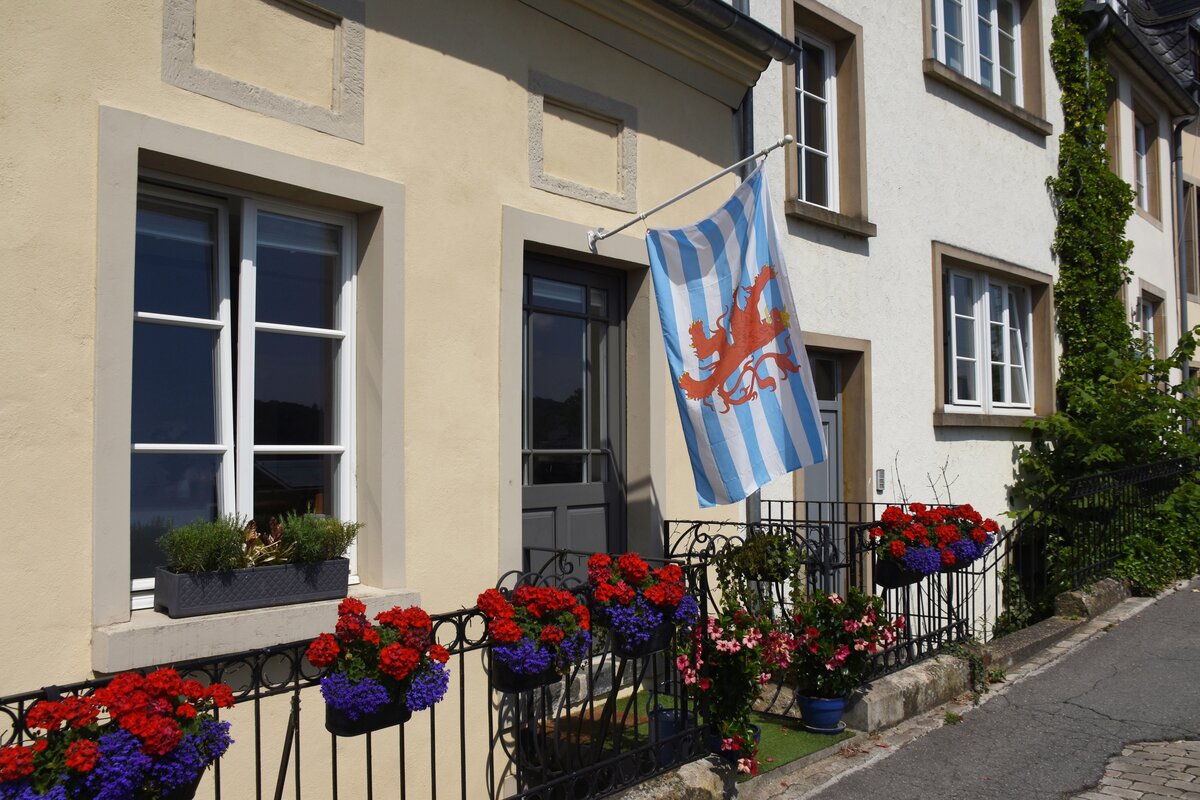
[[784, 741]]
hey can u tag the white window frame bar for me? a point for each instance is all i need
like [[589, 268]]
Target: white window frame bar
[[141, 588], [833, 180]]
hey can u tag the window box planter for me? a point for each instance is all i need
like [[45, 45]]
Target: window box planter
[[190, 594]]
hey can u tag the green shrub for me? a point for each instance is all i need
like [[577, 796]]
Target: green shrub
[[309, 538], [206, 546]]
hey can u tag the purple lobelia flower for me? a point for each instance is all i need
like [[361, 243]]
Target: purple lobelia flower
[[353, 698], [922, 560], [428, 687]]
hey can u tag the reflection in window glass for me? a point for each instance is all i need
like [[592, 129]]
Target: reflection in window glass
[[167, 490]]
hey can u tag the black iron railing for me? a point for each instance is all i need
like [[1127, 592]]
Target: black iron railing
[[614, 722]]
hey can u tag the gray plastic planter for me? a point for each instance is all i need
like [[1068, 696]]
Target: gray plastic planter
[[189, 594]]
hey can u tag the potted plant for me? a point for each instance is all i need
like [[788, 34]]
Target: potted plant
[[640, 606], [138, 738], [378, 675], [834, 639], [228, 565], [535, 637], [924, 541], [755, 570], [728, 662]]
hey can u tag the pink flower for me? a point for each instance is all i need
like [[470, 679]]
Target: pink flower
[[746, 765], [681, 663], [841, 654], [860, 644], [752, 638], [728, 744], [728, 646], [835, 598], [851, 625], [764, 678], [900, 620]]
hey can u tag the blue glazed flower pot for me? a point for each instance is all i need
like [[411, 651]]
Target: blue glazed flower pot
[[666, 723], [822, 714]]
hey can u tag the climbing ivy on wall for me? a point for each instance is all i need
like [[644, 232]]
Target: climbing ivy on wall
[[1116, 403]]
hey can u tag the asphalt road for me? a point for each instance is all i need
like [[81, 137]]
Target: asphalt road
[[1050, 735]]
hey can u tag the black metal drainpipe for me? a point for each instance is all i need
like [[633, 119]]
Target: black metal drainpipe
[[1181, 227]]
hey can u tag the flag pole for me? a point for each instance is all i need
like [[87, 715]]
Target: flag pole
[[601, 233]]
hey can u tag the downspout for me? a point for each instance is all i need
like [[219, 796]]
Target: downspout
[[1180, 227]]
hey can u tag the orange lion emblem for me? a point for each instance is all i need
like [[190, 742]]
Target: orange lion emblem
[[734, 374]]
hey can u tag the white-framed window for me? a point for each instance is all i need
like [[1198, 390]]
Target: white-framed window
[[1142, 141], [816, 123], [243, 364], [988, 343], [1148, 316], [980, 39]]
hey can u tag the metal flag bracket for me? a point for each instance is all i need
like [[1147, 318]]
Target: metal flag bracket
[[598, 234]]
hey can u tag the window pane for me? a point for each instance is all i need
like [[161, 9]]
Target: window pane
[[814, 70], [964, 296], [1007, 18], [299, 271], [952, 18], [964, 335], [1019, 390], [998, 383], [1008, 53], [996, 304], [985, 34], [997, 343], [175, 260], [954, 55], [965, 381], [299, 483], [167, 490], [293, 389], [814, 124], [557, 295], [816, 178], [1008, 86], [985, 73], [556, 366], [174, 384]]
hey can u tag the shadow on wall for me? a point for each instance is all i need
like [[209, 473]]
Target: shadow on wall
[[484, 34]]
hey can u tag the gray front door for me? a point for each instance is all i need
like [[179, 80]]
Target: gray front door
[[572, 425], [824, 482]]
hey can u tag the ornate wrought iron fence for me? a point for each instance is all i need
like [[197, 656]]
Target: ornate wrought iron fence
[[612, 723]]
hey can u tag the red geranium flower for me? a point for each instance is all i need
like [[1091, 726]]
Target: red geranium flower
[[82, 755], [398, 661], [322, 652]]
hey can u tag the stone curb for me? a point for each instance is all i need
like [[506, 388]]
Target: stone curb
[[1090, 602], [1026, 653]]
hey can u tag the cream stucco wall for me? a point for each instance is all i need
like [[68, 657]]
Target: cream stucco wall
[[446, 119]]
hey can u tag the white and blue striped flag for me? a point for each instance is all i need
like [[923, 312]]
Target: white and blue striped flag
[[742, 379]]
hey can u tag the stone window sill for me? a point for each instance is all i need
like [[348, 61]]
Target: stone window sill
[[855, 226], [939, 72], [150, 638], [957, 419]]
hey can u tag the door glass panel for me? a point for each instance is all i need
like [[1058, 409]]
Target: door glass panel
[[299, 271], [964, 336], [557, 469], [175, 260], [299, 483], [167, 490], [293, 389], [814, 123], [174, 384], [557, 295], [556, 366], [964, 295], [825, 378], [814, 70], [598, 302]]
